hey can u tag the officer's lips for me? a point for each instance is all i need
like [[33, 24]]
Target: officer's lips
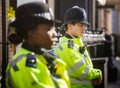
[[54, 40]]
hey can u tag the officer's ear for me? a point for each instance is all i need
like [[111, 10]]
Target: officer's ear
[[69, 25]]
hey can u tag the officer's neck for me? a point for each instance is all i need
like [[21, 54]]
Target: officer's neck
[[68, 35], [31, 48]]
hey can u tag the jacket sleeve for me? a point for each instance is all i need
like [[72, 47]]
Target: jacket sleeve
[[61, 70], [76, 63]]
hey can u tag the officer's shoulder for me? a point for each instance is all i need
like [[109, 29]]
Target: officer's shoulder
[[31, 60], [70, 44], [31, 55]]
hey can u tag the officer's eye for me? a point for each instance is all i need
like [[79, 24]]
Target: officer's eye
[[49, 29], [83, 25]]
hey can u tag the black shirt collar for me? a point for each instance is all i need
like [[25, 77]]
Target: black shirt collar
[[28, 47], [68, 36]]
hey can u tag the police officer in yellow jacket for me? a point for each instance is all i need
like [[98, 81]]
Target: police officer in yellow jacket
[[72, 50], [33, 66]]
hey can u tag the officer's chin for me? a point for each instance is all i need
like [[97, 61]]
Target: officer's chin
[[50, 46], [54, 42], [81, 35]]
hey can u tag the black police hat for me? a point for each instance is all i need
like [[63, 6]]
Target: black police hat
[[75, 14], [33, 12]]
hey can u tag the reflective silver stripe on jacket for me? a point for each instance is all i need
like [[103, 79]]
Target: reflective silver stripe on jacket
[[82, 82], [55, 81], [86, 71], [9, 79], [76, 66], [13, 63], [59, 45]]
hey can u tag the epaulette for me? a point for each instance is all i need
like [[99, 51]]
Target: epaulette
[[82, 49], [70, 44], [31, 60]]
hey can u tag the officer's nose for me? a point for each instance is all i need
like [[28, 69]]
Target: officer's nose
[[54, 36], [52, 33], [85, 27]]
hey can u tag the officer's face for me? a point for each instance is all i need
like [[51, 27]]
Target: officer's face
[[79, 29], [44, 35]]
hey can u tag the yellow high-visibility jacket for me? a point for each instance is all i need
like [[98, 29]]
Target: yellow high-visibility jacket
[[79, 64], [29, 70]]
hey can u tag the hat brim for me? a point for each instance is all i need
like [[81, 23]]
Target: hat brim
[[75, 21], [85, 22], [16, 23]]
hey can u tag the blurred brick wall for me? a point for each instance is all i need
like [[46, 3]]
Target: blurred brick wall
[[0, 36]]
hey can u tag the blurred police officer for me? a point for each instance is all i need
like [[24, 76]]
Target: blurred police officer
[[32, 66], [72, 50]]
